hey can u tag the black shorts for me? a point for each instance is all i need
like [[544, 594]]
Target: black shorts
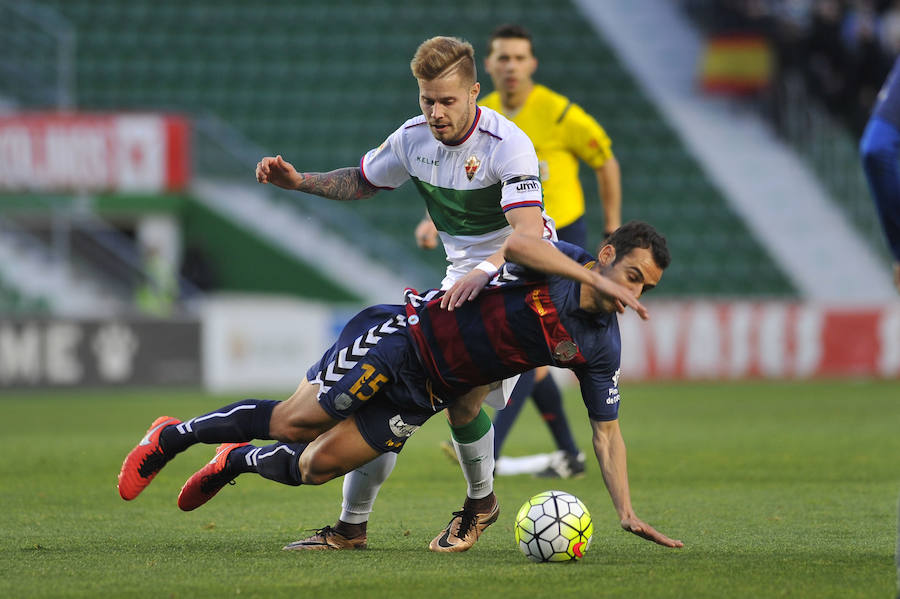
[[371, 372]]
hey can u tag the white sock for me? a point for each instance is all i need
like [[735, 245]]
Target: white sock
[[361, 487], [477, 461]]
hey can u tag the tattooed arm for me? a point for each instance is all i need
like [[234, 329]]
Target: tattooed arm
[[342, 184]]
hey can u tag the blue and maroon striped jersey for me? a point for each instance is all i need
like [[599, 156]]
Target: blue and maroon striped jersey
[[523, 319]]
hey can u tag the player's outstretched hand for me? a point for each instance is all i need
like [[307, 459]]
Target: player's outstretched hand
[[277, 171], [465, 289], [621, 296], [637, 526], [426, 234]]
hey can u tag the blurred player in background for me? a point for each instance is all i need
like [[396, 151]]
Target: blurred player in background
[[552, 303], [880, 151], [478, 175], [562, 133]]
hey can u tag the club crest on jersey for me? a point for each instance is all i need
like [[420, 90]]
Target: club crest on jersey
[[472, 164], [565, 350]]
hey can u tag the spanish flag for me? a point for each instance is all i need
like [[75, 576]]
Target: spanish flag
[[737, 64]]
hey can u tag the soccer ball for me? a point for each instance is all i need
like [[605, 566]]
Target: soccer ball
[[553, 526]]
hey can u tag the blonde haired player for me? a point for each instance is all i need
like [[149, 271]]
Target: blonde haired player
[[563, 134], [478, 174]]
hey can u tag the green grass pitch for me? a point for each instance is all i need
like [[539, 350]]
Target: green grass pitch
[[777, 490]]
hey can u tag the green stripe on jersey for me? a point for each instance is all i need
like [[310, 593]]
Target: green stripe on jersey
[[463, 211]]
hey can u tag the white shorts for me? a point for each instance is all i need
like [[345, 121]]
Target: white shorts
[[499, 397]]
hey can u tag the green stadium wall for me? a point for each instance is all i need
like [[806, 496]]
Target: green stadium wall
[[321, 83]]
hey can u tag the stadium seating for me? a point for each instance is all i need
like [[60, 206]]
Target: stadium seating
[[321, 83]]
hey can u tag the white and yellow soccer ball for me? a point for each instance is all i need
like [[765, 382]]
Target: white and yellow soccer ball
[[553, 526]]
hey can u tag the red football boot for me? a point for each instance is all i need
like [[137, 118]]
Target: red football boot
[[144, 461], [209, 480]]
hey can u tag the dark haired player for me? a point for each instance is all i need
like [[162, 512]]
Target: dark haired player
[[394, 366]]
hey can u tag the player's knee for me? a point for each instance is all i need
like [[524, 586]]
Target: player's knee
[[466, 408], [461, 415]]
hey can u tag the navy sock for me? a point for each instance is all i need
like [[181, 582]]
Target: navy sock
[[549, 402], [235, 423], [279, 462], [505, 418]]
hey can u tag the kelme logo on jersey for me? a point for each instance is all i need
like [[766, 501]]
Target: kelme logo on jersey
[[472, 164]]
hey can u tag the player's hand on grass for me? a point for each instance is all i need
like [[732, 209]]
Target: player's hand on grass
[[426, 234], [620, 295], [637, 526], [465, 289], [277, 171]]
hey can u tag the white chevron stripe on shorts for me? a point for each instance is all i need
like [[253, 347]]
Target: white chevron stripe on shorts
[[416, 300], [348, 357]]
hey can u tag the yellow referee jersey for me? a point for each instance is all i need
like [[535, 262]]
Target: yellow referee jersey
[[562, 132]]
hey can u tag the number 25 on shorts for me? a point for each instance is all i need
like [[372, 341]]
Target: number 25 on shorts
[[372, 383]]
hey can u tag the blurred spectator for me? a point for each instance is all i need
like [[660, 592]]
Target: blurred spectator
[[841, 49], [156, 294], [866, 62], [890, 29], [826, 73], [859, 25]]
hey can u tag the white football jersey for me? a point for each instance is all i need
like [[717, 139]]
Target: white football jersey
[[467, 186]]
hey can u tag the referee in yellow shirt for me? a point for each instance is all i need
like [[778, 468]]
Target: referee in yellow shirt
[[562, 134], [561, 131]]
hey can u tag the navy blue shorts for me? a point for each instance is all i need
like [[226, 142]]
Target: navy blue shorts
[[371, 372], [575, 232]]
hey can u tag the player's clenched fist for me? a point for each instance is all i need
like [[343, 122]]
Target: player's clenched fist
[[426, 235], [277, 171]]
